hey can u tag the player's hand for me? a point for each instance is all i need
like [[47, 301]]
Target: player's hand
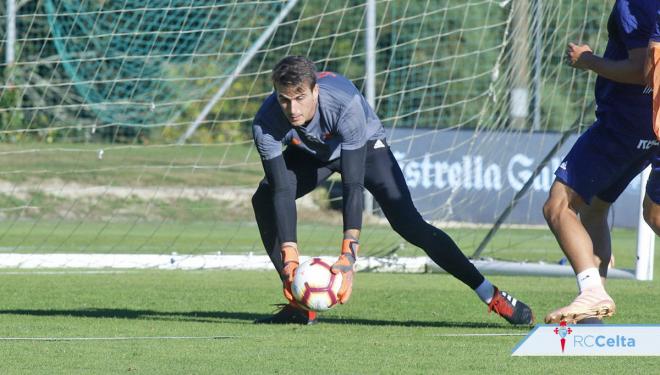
[[290, 259], [577, 55], [346, 266]]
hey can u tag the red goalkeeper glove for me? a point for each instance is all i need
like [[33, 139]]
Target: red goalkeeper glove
[[290, 260], [346, 266]]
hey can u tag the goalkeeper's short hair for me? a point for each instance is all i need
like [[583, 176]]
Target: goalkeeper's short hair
[[294, 71]]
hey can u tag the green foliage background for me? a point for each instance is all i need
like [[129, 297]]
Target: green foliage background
[[440, 64]]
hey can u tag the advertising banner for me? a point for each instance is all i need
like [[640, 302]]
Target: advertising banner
[[454, 175]]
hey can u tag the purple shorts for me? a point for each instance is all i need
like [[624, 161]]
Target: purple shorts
[[603, 162]]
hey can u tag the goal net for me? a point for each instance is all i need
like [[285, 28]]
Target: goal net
[[126, 125]]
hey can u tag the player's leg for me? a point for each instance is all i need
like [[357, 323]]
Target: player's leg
[[651, 205], [384, 179], [578, 226], [305, 173], [561, 213], [601, 163], [594, 219], [652, 214]]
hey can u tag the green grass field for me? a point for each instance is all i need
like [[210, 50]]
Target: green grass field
[[173, 322], [151, 165], [200, 322]]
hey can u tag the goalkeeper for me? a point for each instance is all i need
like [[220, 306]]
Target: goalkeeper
[[328, 127]]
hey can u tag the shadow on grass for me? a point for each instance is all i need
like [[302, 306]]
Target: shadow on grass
[[228, 316]]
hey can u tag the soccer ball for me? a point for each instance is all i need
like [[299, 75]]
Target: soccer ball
[[314, 286]]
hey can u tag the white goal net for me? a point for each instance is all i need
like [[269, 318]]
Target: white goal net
[[125, 125]]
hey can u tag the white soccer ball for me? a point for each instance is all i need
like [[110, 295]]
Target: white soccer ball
[[314, 286]]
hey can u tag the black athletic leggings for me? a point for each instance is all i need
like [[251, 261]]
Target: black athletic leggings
[[385, 181]]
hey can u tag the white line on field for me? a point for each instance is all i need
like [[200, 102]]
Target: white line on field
[[476, 334], [118, 338], [27, 272]]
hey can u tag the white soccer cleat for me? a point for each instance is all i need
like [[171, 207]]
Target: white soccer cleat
[[591, 303]]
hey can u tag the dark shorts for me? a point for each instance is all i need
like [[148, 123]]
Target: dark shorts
[[603, 162]]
